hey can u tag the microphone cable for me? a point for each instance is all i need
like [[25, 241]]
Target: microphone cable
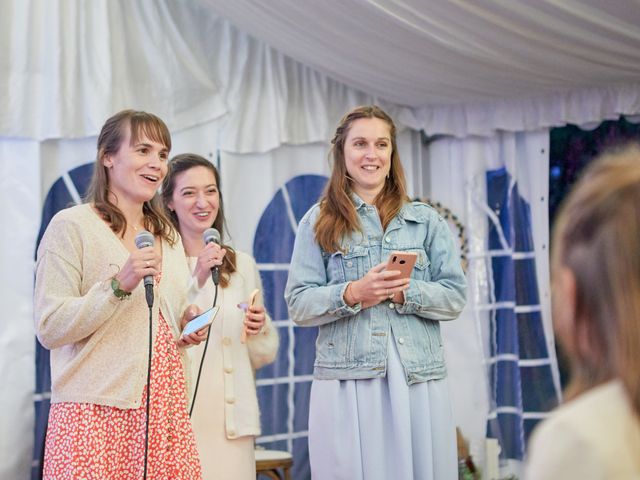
[[146, 239], [146, 429], [208, 236], [204, 352]]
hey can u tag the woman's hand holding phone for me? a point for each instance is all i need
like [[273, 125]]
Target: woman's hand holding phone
[[254, 316], [379, 284], [402, 262], [195, 325]]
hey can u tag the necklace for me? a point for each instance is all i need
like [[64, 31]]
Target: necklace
[[135, 228]]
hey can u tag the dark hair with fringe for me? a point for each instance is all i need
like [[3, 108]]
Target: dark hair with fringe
[[180, 164]]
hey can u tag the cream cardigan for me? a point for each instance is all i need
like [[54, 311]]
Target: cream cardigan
[[238, 397], [99, 343], [595, 436]]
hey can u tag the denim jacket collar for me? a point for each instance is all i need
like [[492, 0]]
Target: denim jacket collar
[[358, 203], [413, 214], [407, 212]]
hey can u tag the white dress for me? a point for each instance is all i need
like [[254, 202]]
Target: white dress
[[382, 428], [225, 416]]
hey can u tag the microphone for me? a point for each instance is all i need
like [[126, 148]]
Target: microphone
[[145, 239], [212, 235]]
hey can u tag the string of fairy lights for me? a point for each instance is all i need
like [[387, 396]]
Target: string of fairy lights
[[453, 219]]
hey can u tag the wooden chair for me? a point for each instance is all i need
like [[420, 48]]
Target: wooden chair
[[270, 462]]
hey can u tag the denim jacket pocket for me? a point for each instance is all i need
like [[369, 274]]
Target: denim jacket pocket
[[421, 269], [355, 263]]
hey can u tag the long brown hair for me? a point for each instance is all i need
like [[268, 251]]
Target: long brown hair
[[109, 141], [182, 163], [596, 238], [338, 215]]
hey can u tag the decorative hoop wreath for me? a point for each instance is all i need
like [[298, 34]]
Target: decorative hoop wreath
[[453, 219]]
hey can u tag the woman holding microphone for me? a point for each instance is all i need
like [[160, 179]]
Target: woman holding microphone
[[225, 415], [90, 311]]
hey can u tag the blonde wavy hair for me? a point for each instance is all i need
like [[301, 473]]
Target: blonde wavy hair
[[597, 239]]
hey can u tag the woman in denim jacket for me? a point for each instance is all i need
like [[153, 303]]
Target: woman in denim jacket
[[379, 401]]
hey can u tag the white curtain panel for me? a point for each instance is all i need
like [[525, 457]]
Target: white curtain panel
[[68, 65], [250, 181], [19, 221]]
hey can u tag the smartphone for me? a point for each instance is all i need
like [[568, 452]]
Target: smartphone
[[403, 262], [246, 306], [201, 321]]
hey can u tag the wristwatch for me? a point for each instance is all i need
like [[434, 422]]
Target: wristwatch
[[117, 291]]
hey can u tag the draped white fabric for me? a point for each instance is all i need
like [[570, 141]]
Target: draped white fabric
[[20, 199], [455, 68], [465, 68], [419, 53], [68, 65]]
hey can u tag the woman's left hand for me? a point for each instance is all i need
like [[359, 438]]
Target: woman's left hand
[[191, 312], [254, 319]]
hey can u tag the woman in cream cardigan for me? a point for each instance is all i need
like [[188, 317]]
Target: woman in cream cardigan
[[90, 311], [225, 416]]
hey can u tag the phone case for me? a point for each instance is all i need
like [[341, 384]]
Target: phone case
[[251, 303], [402, 261], [201, 321]]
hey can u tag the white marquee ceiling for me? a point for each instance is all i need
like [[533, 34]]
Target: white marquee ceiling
[[276, 72], [431, 53]]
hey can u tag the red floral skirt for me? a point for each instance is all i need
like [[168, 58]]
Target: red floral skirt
[[90, 441]]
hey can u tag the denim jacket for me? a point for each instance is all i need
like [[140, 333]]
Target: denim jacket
[[352, 342]]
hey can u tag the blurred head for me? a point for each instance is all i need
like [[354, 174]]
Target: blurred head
[[596, 274], [365, 153], [191, 195]]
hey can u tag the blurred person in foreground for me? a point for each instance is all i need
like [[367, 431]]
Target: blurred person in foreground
[[596, 315]]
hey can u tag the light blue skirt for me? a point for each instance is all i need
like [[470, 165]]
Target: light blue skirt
[[382, 428]]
